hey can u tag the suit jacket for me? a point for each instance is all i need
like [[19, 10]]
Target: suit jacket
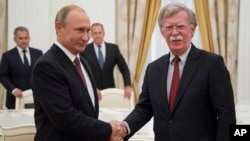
[[14, 75], [204, 105], [104, 78], [63, 108]]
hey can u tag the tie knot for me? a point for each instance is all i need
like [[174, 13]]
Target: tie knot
[[77, 61], [24, 50], [176, 59]]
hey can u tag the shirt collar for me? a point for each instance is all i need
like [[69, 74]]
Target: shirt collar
[[102, 44], [66, 51], [21, 50], [183, 57]]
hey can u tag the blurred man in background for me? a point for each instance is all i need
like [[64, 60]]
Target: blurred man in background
[[16, 66], [103, 57]]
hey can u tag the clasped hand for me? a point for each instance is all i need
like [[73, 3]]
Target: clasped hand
[[119, 130]]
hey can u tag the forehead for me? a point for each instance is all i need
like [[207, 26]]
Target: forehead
[[176, 18], [79, 17], [97, 28], [21, 33]]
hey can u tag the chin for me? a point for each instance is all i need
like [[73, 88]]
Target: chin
[[176, 47]]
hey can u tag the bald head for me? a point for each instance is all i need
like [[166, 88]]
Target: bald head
[[63, 13], [72, 26]]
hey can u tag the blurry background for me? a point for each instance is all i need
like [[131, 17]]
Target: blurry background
[[132, 24]]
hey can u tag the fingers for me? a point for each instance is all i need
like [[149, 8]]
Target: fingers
[[127, 92], [99, 94], [18, 92], [127, 95], [116, 139], [119, 130]]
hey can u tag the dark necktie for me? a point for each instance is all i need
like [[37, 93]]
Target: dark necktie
[[79, 69], [174, 83], [25, 60], [100, 57]]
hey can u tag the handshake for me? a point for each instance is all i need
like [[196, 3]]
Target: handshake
[[119, 130]]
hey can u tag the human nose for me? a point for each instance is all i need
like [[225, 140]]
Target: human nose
[[85, 36], [175, 30]]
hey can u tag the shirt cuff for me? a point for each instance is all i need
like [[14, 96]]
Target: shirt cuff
[[12, 92], [128, 129]]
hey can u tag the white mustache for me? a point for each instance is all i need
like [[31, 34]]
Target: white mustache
[[174, 38]]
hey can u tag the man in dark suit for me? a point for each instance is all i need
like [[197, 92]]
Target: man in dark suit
[[104, 71], [14, 72], [203, 107], [65, 98]]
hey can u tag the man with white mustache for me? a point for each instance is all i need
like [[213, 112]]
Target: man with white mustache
[[176, 38], [188, 91]]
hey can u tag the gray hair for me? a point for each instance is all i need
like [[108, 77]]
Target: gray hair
[[97, 24], [174, 8], [20, 28]]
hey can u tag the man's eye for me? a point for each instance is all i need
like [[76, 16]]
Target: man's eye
[[180, 26], [168, 27]]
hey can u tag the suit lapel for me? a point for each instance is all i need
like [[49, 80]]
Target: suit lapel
[[32, 58], [108, 57], [17, 57], [88, 70], [187, 75], [163, 82], [95, 59], [69, 66], [156, 78]]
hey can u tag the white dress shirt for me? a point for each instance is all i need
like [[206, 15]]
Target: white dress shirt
[[72, 58]]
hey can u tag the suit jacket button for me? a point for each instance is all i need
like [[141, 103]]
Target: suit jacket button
[[170, 121]]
